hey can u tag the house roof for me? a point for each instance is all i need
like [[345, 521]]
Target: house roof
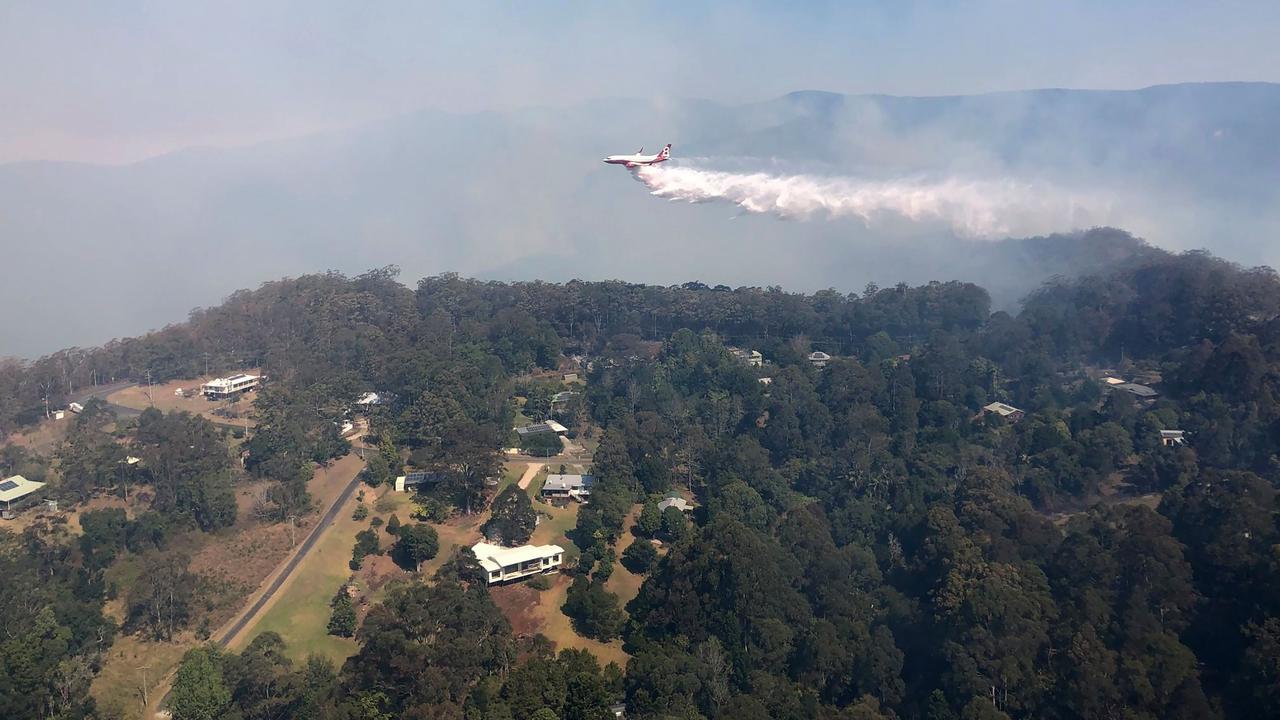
[[542, 427], [17, 487], [1172, 433], [1001, 409], [678, 503], [227, 382], [1136, 389], [423, 478], [819, 355], [495, 557], [568, 482], [371, 398]]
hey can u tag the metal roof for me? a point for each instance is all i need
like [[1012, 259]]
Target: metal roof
[[1136, 389], [678, 503], [1001, 408], [17, 487], [568, 482], [495, 557]]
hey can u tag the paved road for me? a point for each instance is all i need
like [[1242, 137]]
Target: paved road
[[290, 566], [102, 391]]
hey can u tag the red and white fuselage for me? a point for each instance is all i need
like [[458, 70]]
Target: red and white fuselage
[[640, 159]]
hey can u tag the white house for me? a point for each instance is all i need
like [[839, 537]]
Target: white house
[[229, 386], [819, 359], [16, 488], [577, 487], [1169, 438], [503, 563]]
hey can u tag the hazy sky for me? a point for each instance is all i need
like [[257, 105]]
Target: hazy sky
[[120, 81]]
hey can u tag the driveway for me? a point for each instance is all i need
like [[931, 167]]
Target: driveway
[[529, 473]]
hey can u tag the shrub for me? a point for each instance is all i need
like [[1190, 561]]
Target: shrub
[[362, 512], [415, 544], [386, 503], [639, 557], [342, 621], [366, 544], [594, 610], [540, 583], [513, 518]]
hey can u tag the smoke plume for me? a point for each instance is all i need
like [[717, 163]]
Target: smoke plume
[[970, 208]]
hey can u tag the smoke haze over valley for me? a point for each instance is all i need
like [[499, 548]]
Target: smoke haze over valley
[[118, 249]]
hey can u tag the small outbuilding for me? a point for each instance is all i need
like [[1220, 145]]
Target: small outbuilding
[[418, 479], [1169, 438]]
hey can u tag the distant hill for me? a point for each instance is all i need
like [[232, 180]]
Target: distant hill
[[94, 252]]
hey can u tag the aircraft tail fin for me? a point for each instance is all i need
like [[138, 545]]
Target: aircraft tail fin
[[666, 153]]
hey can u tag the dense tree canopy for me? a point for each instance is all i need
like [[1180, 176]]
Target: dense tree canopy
[[869, 541]]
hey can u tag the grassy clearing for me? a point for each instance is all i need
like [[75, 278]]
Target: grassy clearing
[[300, 610], [555, 523], [622, 582], [458, 531], [511, 473], [119, 684], [162, 398], [559, 629]]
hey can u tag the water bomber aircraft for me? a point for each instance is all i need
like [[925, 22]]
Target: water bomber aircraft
[[640, 159]]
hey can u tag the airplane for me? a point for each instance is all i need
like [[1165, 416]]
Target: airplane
[[633, 161]]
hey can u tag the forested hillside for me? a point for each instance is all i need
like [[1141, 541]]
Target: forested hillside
[[868, 541]]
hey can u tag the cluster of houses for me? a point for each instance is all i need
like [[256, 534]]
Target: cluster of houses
[[1168, 438]]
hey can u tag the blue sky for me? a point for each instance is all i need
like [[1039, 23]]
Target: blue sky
[[121, 81]]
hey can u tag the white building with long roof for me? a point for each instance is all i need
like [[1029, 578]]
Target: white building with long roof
[[502, 564]]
